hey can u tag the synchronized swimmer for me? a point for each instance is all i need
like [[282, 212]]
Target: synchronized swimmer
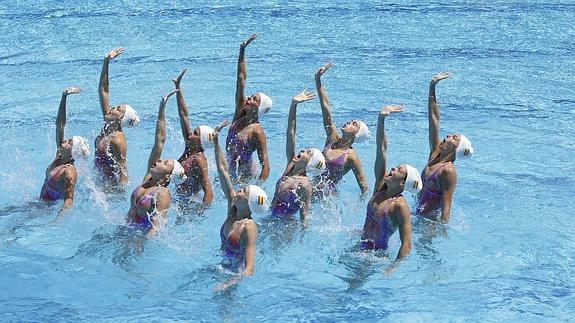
[[308, 173]]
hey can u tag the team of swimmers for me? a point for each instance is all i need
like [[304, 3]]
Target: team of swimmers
[[310, 174]]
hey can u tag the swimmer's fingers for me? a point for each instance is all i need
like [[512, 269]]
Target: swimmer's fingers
[[246, 42], [441, 76], [303, 96], [220, 127], [178, 79], [115, 52], [323, 69], [166, 97], [389, 109], [72, 90]]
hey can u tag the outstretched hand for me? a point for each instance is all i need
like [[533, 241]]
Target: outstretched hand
[[441, 76], [166, 97], [72, 90], [115, 52], [246, 42], [389, 109], [323, 69], [178, 79], [217, 129], [305, 95]]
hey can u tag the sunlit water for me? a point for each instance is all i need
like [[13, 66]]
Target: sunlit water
[[506, 254]]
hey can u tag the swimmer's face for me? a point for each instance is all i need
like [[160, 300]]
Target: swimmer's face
[[450, 143], [65, 150], [162, 168], [116, 114], [302, 158], [241, 198], [252, 102], [350, 127], [397, 174], [194, 138]]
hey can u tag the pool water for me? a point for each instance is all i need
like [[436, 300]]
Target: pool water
[[507, 252]]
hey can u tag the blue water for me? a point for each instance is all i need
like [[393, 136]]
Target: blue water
[[506, 254]]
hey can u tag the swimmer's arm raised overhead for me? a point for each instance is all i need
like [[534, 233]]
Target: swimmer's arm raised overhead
[[262, 149], [381, 145], [205, 180], [61, 118], [241, 77], [103, 87], [222, 165], [162, 204], [301, 97], [182, 107], [448, 181], [329, 126], [433, 112], [160, 136]]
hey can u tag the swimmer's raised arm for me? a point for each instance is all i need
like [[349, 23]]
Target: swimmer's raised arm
[[103, 87], [329, 126], [160, 137], [182, 107], [222, 165], [433, 112], [301, 97], [61, 118], [381, 145], [241, 77]]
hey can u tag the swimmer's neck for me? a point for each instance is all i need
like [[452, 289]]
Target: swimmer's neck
[[344, 142], [154, 182], [241, 214], [192, 150], [293, 172], [110, 127], [251, 116], [391, 190], [58, 161]]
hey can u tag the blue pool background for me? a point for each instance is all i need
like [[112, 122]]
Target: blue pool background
[[506, 254]]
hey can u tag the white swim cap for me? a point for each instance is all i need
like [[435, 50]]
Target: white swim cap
[[80, 148], [265, 104], [316, 163], [178, 175], [363, 133], [257, 200], [464, 149], [130, 117], [413, 182], [207, 136]]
